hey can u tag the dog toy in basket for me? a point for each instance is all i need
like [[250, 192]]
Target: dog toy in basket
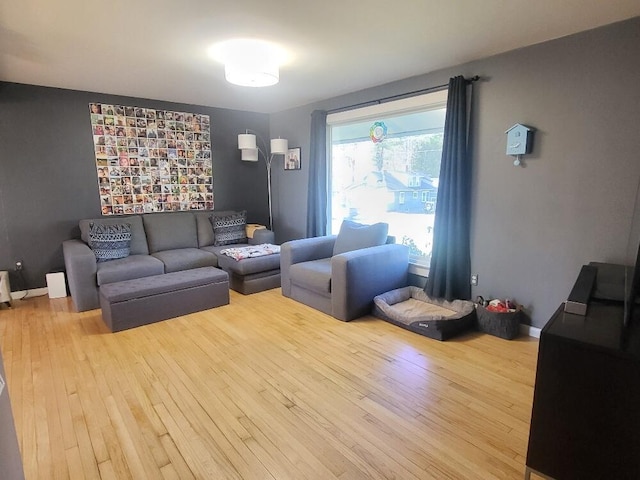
[[497, 305], [502, 306]]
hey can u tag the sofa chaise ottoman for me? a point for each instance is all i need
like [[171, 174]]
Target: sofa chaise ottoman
[[252, 275]]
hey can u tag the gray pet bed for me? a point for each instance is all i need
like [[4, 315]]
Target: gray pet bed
[[411, 308]]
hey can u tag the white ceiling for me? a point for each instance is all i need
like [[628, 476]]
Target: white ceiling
[[158, 49]]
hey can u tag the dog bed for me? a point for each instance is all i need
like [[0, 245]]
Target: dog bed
[[413, 309]]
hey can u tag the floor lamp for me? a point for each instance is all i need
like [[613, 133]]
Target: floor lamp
[[247, 143]]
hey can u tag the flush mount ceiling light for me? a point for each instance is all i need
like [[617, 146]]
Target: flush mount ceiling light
[[250, 62]]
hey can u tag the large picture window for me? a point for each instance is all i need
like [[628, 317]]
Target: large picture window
[[384, 167]]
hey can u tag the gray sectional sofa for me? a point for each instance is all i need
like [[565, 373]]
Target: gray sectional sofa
[[160, 243]]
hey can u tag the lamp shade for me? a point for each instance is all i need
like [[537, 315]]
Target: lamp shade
[[247, 140], [249, 154], [279, 146]]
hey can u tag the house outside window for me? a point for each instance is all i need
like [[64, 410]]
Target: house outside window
[[380, 154]]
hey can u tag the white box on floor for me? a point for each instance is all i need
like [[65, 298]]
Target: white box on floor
[[56, 285]]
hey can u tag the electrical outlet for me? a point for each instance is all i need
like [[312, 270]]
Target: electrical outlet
[[18, 265], [474, 279]]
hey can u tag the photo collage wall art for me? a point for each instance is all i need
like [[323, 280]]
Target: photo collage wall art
[[151, 160]]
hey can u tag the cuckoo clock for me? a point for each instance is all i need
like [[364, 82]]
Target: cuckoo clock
[[519, 139]]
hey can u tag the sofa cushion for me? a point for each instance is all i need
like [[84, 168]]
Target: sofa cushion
[[229, 229], [138, 243], [133, 266], [185, 259], [250, 266], [170, 231], [314, 275], [216, 250], [110, 242], [354, 236]]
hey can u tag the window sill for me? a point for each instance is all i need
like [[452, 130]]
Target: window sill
[[420, 270]]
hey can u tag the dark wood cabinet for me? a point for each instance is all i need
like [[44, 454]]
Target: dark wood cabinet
[[585, 421]]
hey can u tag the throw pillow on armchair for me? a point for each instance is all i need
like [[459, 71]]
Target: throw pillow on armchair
[[354, 236]]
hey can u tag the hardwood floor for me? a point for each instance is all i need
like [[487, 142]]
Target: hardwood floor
[[263, 388]]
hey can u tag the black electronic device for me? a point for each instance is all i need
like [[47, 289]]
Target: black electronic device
[[578, 300], [632, 292]]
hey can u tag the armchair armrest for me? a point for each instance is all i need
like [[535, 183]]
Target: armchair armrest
[[80, 265], [302, 250], [360, 275]]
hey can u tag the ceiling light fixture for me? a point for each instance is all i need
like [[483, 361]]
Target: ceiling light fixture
[[250, 62]]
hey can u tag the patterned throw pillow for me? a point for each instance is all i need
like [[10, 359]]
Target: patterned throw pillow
[[109, 242], [229, 229]]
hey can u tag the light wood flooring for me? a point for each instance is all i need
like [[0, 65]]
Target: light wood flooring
[[264, 388]]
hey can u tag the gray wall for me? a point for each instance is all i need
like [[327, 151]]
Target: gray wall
[[572, 203], [48, 178]]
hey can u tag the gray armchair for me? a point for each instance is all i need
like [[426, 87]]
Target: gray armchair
[[342, 285]]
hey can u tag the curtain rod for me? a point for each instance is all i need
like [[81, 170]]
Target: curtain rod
[[399, 96]]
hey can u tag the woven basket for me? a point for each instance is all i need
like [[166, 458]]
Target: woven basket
[[501, 324]]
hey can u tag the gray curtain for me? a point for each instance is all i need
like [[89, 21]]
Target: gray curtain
[[450, 270], [317, 192]]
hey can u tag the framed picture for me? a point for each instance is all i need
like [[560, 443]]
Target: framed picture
[[292, 161]]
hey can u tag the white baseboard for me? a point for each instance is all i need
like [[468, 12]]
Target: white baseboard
[[22, 294], [530, 331]]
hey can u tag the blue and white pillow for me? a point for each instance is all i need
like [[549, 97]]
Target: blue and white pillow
[[109, 242], [229, 229]]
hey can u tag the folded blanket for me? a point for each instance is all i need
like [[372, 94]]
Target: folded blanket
[[241, 253]]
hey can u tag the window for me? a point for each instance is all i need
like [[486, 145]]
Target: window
[[385, 164]]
